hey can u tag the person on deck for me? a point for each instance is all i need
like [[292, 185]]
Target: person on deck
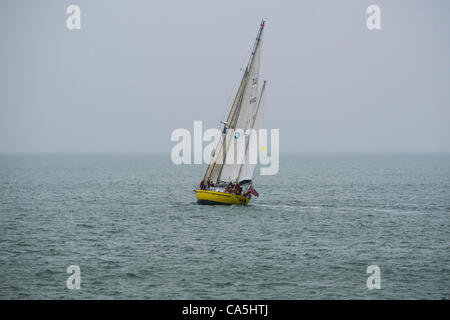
[[202, 185], [238, 189]]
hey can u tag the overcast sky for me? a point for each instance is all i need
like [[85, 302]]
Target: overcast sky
[[137, 70]]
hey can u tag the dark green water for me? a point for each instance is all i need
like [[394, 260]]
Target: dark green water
[[131, 224]]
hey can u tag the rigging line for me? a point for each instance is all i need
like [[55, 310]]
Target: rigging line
[[238, 77]]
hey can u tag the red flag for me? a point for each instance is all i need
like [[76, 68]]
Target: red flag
[[253, 191]]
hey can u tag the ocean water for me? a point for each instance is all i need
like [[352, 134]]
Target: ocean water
[[130, 222]]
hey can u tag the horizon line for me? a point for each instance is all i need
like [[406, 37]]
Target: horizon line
[[168, 153]]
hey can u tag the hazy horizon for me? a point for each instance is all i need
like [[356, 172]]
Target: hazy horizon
[[138, 70], [281, 153]]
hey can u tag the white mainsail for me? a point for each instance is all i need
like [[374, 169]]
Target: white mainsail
[[235, 157], [230, 163]]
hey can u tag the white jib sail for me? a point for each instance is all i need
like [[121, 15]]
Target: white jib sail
[[251, 152]]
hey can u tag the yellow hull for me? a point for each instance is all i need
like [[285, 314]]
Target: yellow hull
[[214, 197]]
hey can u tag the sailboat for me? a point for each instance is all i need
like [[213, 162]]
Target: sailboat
[[230, 182]]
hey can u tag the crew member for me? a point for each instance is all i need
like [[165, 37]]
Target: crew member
[[238, 189]]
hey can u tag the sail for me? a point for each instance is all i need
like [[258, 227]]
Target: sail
[[235, 156], [248, 168], [217, 161]]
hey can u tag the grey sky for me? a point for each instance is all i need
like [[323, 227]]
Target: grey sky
[[139, 69]]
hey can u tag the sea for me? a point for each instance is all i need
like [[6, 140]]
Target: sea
[[327, 226]]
